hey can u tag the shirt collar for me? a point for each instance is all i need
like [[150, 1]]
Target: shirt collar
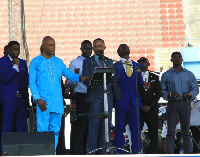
[[124, 60], [82, 57], [10, 58], [173, 70], [96, 57], [47, 58], [146, 72]]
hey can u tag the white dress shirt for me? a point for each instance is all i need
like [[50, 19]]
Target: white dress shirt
[[145, 75], [77, 64], [123, 60]]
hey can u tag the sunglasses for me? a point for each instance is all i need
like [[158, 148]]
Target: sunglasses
[[144, 60]]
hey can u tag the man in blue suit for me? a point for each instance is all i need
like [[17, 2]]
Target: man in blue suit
[[95, 98], [14, 89], [127, 110]]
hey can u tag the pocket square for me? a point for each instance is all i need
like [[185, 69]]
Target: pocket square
[[153, 80]]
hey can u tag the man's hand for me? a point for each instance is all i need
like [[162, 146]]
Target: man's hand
[[85, 78], [77, 71], [186, 95], [110, 66], [175, 95], [42, 104], [146, 84], [16, 61]]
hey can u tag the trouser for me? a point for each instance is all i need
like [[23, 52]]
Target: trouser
[[49, 121], [61, 149], [181, 110], [14, 112], [79, 126], [152, 123], [129, 114], [96, 128], [196, 136]]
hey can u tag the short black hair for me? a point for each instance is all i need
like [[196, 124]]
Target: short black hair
[[118, 50], [85, 42], [12, 43], [142, 59], [175, 53], [5, 51], [6, 48], [98, 39]]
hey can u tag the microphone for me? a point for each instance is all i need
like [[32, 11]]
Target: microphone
[[102, 57]]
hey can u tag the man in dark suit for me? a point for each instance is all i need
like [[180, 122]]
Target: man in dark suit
[[14, 89], [95, 98], [127, 110], [149, 109]]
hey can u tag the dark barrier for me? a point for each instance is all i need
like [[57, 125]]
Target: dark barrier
[[28, 143]]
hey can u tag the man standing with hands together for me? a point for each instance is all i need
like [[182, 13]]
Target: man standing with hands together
[[178, 86]]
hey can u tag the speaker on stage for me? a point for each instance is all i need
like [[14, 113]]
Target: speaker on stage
[[28, 143]]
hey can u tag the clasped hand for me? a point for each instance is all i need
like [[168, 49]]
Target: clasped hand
[[16, 61], [176, 95]]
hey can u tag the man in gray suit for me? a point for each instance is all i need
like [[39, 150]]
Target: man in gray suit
[[95, 98]]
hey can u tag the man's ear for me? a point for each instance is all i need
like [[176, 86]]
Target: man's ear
[[171, 60]]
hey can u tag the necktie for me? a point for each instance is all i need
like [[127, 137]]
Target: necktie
[[101, 63], [128, 68]]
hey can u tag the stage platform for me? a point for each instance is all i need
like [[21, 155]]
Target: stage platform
[[121, 155]]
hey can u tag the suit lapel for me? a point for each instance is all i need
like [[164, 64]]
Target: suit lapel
[[150, 77], [8, 62], [93, 62]]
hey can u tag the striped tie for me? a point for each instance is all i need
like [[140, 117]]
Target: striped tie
[[128, 68]]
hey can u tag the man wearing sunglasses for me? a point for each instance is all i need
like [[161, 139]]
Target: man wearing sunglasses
[[149, 109]]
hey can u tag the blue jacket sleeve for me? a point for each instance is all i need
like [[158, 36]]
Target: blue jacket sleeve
[[164, 91], [7, 75]]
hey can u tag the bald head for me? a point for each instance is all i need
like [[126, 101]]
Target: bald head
[[46, 38], [48, 46]]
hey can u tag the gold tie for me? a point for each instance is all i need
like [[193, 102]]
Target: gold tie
[[128, 68]]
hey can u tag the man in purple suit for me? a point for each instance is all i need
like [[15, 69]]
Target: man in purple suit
[[14, 89], [127, 110]]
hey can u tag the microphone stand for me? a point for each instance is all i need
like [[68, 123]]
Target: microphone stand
[[137, 70], [108, 147]]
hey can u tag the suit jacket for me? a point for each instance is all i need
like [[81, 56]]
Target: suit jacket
[[153, 94], [89, 65], [128, 85], [13, 81]]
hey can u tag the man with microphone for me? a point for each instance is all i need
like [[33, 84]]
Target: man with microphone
[[127, 110], [95, 97]]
